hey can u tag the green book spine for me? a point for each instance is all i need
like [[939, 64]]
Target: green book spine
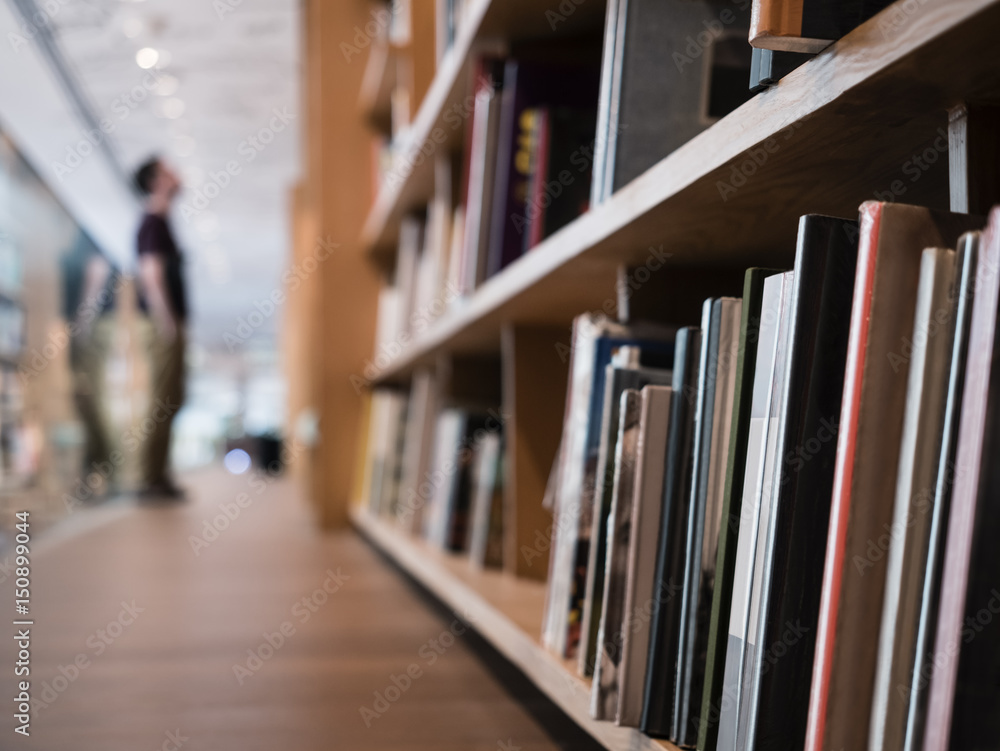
[[746, 363]]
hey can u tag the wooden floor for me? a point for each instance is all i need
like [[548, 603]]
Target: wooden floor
[[136, 639]]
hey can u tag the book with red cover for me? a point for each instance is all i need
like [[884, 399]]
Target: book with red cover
[[893, 238], [964, 705]]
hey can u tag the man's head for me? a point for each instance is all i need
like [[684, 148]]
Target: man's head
[[155, 178]]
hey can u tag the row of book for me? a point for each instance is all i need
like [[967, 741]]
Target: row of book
[[776, 530], [438, 471], [549, 135]]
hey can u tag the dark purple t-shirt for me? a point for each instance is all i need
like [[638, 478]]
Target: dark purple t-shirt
[[155, 237]]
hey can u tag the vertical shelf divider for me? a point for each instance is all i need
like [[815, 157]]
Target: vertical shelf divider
[[535, 370]]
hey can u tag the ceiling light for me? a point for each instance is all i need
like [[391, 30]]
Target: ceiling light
[[147, 57]]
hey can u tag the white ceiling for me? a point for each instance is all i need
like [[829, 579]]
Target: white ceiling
[[225, 68]]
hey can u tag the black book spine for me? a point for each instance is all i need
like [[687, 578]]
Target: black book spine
[[658, 708], [825, 266]]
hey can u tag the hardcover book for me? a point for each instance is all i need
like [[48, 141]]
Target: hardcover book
[[480, 173], [640, 580], [657, 712], [657, 92], [623, 373], [915, 481], [825, 266], [713, 421], [751, 487], [486, 527], [755, 648], [605, 691]]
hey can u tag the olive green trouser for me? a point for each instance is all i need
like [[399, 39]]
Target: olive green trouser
[[166, 395], [88, 357]]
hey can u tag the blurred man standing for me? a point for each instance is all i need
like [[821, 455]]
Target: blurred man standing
[[163, 300], [89, 282]]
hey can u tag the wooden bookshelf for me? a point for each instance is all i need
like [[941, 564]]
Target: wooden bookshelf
[[843, 128], [829, 136], [507, 612]]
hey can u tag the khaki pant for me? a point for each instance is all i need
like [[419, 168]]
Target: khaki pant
[[88, 358], [166, 395]]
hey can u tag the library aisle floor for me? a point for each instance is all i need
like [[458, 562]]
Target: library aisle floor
[[271, 635]]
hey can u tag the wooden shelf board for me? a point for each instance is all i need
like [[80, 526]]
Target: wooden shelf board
[[837, 131], [507, 612]]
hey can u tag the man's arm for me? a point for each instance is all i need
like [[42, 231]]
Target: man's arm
[[152, 278]]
